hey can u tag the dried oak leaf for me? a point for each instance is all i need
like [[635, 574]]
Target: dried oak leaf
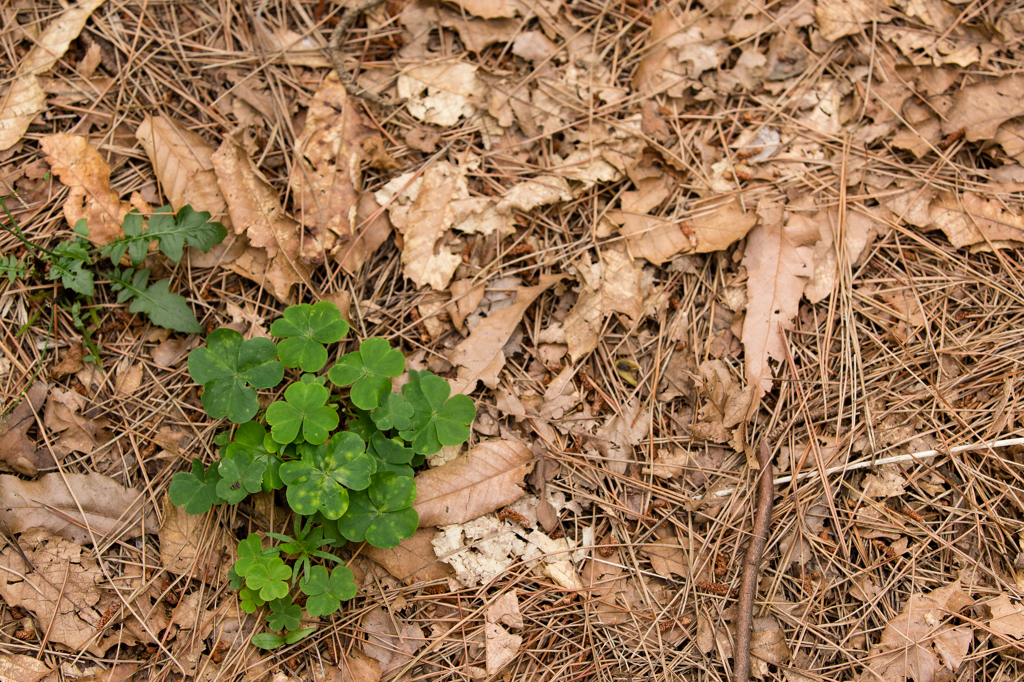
[[838, 18], [779, 259], [71, 509], [489, 476], [276, 274], [501, 647], [413, 560], [16, 448], [391, 641], [70, 361], [919, 642], [667, 558], [979, 109], [74, 611], [25, 97], [77, 164], [767, 646], [78, 433], [1007, 617], [479, 357], [21, 668]]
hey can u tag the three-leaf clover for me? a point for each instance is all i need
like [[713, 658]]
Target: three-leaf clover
[[318, 481], [284, 615], [253, 464], [327, 593], [249, 600], [369, 370], [394, 413], [268, 576], [437, 420], [229, 368], [304, 409], [305, 329], [250, 553], [382, 514], [392, 453], [196, 490]]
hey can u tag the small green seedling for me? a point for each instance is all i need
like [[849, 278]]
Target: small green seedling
[[350, 484]]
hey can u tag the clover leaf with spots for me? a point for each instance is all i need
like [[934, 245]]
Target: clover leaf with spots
[[382, 514], [305, 329], [320, 479], [437, 419], [304, 411], [229, 368], [369, 371]]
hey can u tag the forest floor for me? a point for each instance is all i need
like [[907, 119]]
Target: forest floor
[[641, 236]]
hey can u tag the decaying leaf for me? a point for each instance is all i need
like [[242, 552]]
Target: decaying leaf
[[21, 668], [441, 93], [505, 609], [779, 259], [1007, 617], [74, 612], [78, 433], [486, 478], [668, 558], [838, 18], [16, 448], [413, 561], [391, 641], [277, 274], [979, 109], [25, 97], [186, 538], [613, 284], [479, 357], [501, 647], [767, 646], [87, 507], [79, 166], [676, 56], [920, 642]]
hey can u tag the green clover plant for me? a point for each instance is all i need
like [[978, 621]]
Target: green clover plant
[[355, 483]]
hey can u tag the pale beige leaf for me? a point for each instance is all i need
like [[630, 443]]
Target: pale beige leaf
[[326, 178], [1007, 617], [186, 538], [129, 380], [505, 609], [480, 356], [111, 511], [276, 274], [413, 560], [667, 558], [466, 296], [979, 109], [391, 641], [767, 646], [355, 667], [441, 93], [255, 208], [488, 9], [779, 259], [17, 450], [77, 164], [477, 34], [719, 222], [19, 104], [183, 163], [501, 647], [611, 285], [486, 478], [838, 18], [295, 49], [21, 668], [976, 220]]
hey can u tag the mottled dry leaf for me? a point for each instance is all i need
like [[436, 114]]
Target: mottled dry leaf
[[16, 448], [488, 9], [976, 220], [413, 561], [505, 609], [611, 285], [21, 668], [256, 211], [479, 357], [466, 296], [719, 222], [184, 538], [920, 642], [54, 563], [276, 274], [979, 109], [441, 93], [615, 440], [676, 56], [78, 433], [779, 259], [111, 511], [183, 163], [25, 97], [70, 361], [391, 646], [295, 49], [488, 477], [767, 646], [838, 18], [77, 164], [667, 558], [501, 647], [1007, 617], [326, 177]]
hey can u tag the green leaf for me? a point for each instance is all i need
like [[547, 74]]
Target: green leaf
[[250, 553], [297, 635], [327, 593], [394, 413], [165, 309], [196, 491], [368, 371], [362, 425], [69, 266], [173, 231], [319, 480], [268, 576], [14, 269], [437, 420], [249, 600], [305, 329], [284, 615], [267, 640], [240, 475], [229, 368], [304, 410], [133, 243], [235, 581], [250, 443], [382, 514], [390, 450]]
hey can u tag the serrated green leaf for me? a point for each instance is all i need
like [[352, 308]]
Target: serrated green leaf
[[14, 269], [305, 329], [172, 231], [284, 615], [394, 413], [196, 491], [369, 370], [165, 309], [319, 481], [303, 411], [133, 243], [437, 420], [382, 514], [229, 368]]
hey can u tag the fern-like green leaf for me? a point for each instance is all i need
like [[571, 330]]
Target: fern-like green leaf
[[14, 269], [164, 308]]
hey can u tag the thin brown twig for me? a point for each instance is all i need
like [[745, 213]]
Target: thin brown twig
[[334, 52]]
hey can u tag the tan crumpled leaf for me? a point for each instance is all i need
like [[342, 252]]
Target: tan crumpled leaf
[[184, 538], [256, 211], [183, 163], [488, 477], [615, 440], [676, 56], [77, 164], [480, 356], [16, 448], [277, 274], [25, 97], [767, 646], [355, 667], [838, 18], [413, 560], [294, 48], [56, 562], [610, 285], [488, 9], [326, 177], [668, 558], [976, 220], [505, 609], [501, 647], [920, 642], [1007, 617], [21, 668], [111, 511], [779, 259], [78, 433], [391, 646], [441, 93], [979, 109]]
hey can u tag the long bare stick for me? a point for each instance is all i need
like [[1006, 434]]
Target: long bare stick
[[748, 582]]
